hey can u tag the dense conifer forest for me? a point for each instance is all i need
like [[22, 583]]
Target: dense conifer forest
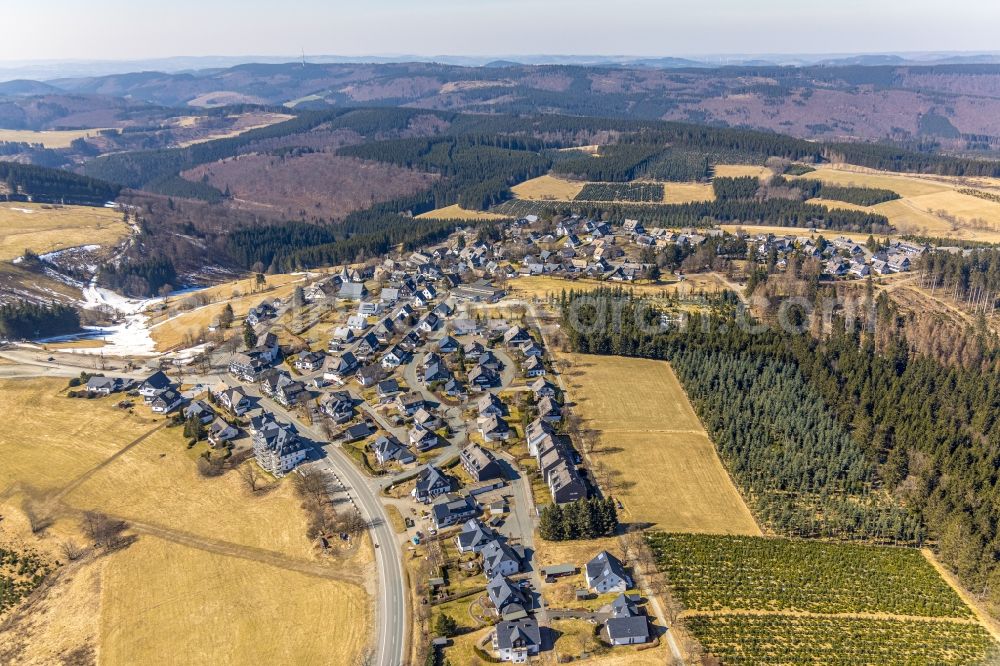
[[23, 181], [24, 320], [832, 437]]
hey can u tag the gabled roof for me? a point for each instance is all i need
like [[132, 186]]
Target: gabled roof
[[523, 633], [634, 626], [474, 533], [603, 566], [503, 593]]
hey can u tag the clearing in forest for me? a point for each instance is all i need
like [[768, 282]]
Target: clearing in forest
[[665, 469]]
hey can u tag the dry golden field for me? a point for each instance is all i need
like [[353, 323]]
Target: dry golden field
[[541, 286], [56, 439], [738, 170], [677, 193], [930, 205], [667, 472], [48, 138], [218, 574], [548, 188], [43, 228], [160, 599], [456, 212], [157, 483]]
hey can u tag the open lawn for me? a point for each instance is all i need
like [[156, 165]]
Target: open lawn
[[218, 574], [44, 228], [738, 170], [48, 138], [456, 212], [161, 598], [157, 482], [548, 188], [58, 438], [645, 423]]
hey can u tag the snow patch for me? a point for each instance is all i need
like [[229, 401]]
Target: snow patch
[[80, 249]]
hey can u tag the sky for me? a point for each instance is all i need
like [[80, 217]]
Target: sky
[[139, 29]]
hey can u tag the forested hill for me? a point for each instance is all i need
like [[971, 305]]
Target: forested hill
[[834, 437], [949, 103], [19, 182]]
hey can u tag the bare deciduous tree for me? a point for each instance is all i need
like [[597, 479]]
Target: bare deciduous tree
[[72, 550], [250, 475]]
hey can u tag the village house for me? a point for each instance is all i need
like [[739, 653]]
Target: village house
[[474, 536], [261, 313], [220, 432], [201, 410], [499, 559], [605, 573], [309, 361], [508, 598], [423, 439], [154, 385], [493, 428], [166, 401], [452, 510], [387, 449], [431, 482], [408, 403], [479, 463], [339, 406], [340, 368], [517, 641], [533, 367], [105, 385], [490, 405], [626, 626], [277, 446], [233, 399]]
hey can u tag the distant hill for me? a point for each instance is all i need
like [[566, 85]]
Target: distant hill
[[25, 87], [816, 101]]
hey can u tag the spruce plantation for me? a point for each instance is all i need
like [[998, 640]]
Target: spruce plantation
[[718, 573]]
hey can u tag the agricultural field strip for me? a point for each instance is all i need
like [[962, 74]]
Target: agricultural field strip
[[770, 639], [852, 616], [721, 573]]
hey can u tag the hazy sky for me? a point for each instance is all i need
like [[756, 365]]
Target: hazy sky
[[129, 29]]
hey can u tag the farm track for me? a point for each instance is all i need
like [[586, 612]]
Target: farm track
[[80, 480], [846, 616], [985, 619], [261, 555]]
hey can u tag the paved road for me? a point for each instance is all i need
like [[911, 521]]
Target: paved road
[[391, 601]]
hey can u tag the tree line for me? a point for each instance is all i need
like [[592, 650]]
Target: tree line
[[584, 519], [139, 277], [54, 185], [24, 320]]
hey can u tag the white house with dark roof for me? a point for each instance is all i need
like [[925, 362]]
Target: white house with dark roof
[[277, 446], [517, 641], [474, 536], [605, 573], [431, 482]]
